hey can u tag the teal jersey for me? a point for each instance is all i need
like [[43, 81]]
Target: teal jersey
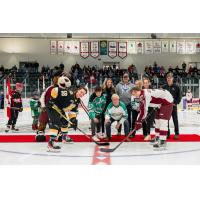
[[96, 105], [35, 107]]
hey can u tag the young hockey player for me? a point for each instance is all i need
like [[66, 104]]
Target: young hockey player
[[163, 101], [16, 107], [35, 110], [60, 101], [97, 103], [43, 117], [116, 111], [72, 114]]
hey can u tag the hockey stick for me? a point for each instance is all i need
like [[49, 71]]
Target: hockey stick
[[63, 116], [131, 132]]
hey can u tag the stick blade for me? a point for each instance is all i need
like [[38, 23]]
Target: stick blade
[[103, 143], [106, 150]]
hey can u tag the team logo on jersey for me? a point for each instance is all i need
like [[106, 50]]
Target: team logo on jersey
[[64, 93]]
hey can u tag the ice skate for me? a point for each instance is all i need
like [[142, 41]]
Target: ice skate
[[67, 140], [154, 140], [7, 129], [160, 145], [14, 129], [52, 147], [40, 136]]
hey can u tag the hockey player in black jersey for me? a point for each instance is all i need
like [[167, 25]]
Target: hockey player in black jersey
[[65, 102]]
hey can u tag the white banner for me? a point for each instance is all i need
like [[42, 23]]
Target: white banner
[[131, 47], [84, 49], [198, 47], [157, 47], [53, 47], [140, 47], [76, 47], [122, 49], [148, 47], [60, 47], [190, 47], [173, 46], [180, 47], [165, 46], [68, 47], [112, 49], [94, 49]]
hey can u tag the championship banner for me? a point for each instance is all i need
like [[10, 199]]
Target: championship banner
[[165, 46], [122, 49], [198, 47], [131, 47], [103, 48], [140, 47], [68, 47], [84, 49], [148, 47], [94, 49], [172, 46], [112, 49], [75, 47], [53, 47], [190, 47], [157, 47], [180, 47], [60, 47]]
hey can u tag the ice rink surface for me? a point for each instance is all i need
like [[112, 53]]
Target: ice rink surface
[[88, 153]]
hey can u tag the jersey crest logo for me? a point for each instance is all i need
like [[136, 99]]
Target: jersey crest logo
[[64, 93]]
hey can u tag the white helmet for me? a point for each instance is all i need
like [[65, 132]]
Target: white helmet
[[64, 82]]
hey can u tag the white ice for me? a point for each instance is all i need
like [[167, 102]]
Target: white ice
[[82, 153]]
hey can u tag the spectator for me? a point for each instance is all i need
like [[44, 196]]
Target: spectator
[[116, 111], [123, 90], [97, 102], [175, 91], [148, 123], [109, 90]]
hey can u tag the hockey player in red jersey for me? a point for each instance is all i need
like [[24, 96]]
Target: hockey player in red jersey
[[163, 101], [16, 107]]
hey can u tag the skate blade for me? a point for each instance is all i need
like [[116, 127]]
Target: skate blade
[[67, 142], [53, 150], [160, 149]]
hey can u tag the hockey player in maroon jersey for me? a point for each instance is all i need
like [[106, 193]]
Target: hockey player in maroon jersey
[[163, 101], [16, 107]]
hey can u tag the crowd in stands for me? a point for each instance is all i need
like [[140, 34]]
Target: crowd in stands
[[94, 75]]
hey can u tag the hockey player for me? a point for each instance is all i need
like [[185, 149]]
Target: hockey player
[[72, 114], [163, 101], [44, 99], [60, 101], [16, 107], [35, 110], [116, 111], [97, 103]]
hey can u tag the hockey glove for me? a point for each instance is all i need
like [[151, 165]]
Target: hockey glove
[[74, 122]]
